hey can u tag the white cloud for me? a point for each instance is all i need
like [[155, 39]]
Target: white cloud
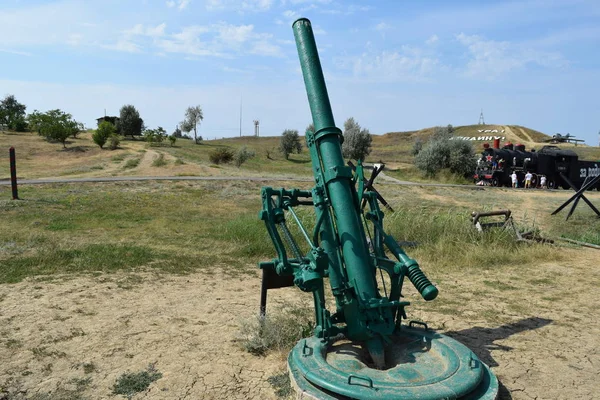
[[433, 39], [291, 15], [490, 59], [180, 4], [264, 48], [382, 27], [317, 30], [16, 52], [48, 24], [406, 64], [124, 45], [239, 6], [233, 34], [218, 40], [150, 31]]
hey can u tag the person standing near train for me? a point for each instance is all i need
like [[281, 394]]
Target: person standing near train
[[543, 182], [513, 177], [528, 177]]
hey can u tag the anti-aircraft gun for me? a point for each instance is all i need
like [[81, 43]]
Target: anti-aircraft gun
[[362, 350]]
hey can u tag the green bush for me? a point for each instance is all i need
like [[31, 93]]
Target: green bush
[[55, 125], [290, 143], [105, 130], [357, 141], [132, 163], [243, 155], [173, 139], [114, 141], [441, 152], [221, 156]]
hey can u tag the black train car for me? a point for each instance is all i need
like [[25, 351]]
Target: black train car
[[496, 166]]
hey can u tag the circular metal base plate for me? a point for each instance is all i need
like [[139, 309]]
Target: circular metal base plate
[[420, 364]]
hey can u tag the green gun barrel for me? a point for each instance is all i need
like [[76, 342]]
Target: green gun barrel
[[359, 315]]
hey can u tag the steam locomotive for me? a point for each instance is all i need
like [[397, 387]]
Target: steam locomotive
[[496, 165]]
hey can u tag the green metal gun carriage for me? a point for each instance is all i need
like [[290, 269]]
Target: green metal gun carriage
[[362, 350]]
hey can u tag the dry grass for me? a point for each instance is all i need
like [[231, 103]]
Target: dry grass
[[37, 158]]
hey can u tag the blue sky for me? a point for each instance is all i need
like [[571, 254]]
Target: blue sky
[[392, 65]]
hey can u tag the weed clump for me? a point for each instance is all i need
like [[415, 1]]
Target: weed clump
[[129, 384], [114, 141], [221, 156], [159, 161], [282, 385], [278, 331], [132, 163], [243, 155]]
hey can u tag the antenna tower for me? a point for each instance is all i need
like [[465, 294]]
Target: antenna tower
[[481, 120], [256, 128]]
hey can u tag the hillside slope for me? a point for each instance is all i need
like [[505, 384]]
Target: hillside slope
[[37, 158]]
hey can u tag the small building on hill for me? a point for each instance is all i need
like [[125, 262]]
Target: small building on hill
[[112, 120]]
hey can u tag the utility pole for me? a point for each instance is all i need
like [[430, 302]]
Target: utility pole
[[240, 116]]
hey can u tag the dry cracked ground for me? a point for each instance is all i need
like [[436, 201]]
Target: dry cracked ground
[[72, 337]]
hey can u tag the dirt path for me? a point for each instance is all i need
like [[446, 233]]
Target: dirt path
[[526, 134], [185, 326], [524, 137], [73, 337]]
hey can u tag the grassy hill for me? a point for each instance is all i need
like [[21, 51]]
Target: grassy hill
[[37, 158]]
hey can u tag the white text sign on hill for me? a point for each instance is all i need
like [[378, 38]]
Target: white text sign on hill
[[482, 138]]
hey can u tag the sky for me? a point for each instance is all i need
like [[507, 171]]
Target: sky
[[391, 65]]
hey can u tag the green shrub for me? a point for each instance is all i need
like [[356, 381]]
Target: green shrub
[[357, 141], [114, 141], [173, 139], [132, 163], [221, 156], [441, 152], [105, 130], [243, 155], [290, 143]]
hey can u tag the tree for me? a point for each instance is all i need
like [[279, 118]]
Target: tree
[[193, 116], [56, 125], [161, 134], [172, 140], [310, 128], [440, 152], [417, 146], [290, 143], [34, 121], [130, 122], [103, 133], [357, 141], [12, 113], [177, 132], [155, 135]]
